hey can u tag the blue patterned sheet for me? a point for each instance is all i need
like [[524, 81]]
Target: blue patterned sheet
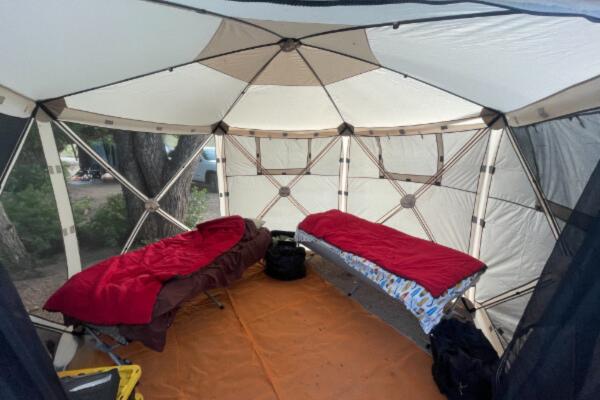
[[429, 310]]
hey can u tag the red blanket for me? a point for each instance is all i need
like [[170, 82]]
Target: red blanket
[[433, 266], [123, 289]]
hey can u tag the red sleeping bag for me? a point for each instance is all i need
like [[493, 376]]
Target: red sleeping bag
[[123, 289], [435, 267]]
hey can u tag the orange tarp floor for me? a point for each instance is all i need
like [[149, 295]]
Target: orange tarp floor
[[278, 340]]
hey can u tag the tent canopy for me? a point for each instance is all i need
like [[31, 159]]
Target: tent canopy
[[383, 100], [184, 66]]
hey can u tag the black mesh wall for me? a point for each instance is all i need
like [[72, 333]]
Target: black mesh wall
[[26, 371], [555, 352], [11, 131]]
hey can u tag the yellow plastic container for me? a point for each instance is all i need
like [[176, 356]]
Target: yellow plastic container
[[129, 374]]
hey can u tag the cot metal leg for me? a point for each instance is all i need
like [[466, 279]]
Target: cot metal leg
[[215, 300], [354, 289], [100, 345]]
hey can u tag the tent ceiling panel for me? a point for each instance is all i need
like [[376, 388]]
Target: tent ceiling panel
[[509, 181], [354, 44], [382, 98], [296, 30], [284, 108], [243, 65], [503, 62], [233, 35], [351, 15], [48, 52], [287, 69], [447, 212], [190, 95], [331, 67], [515, 246]]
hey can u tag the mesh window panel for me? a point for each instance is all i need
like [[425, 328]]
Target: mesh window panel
[[555, 351]]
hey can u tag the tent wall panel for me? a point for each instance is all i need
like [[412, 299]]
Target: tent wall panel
[[237, 163], [283, 153], [448, 214], [464, 174], [505, 316], [329, 164], [410, 154], [316, 193], [515, 245], [562, 154], [360, 164], [407, 222], [454, 142], [509, 180], [371, 198]]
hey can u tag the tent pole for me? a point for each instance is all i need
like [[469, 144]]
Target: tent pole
[[61, 195], [535, 184], [222, 175], [481, 319], [344, 167], [135, 231]]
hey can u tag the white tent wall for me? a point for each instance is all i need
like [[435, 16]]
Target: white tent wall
[[257, 168]]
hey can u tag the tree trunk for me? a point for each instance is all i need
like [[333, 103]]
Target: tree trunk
[[12, 251], [143, 160]]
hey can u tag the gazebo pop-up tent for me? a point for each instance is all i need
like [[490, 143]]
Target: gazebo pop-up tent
[[473, 124]]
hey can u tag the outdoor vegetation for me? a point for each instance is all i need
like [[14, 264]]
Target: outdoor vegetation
[[31, 235]]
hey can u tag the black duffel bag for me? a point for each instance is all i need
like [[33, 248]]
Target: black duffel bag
[[464, 362], [285, 259]]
